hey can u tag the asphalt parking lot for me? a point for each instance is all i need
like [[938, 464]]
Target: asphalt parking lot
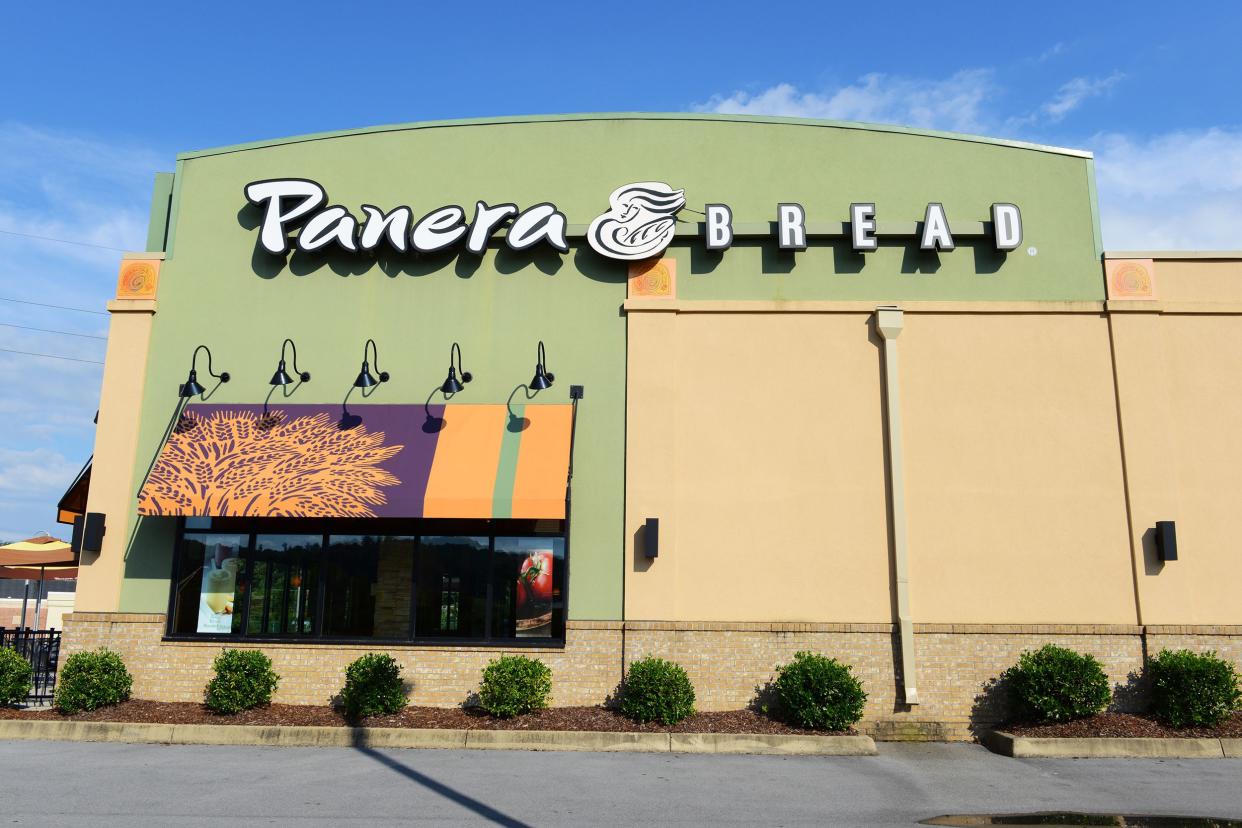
[[60, 783]]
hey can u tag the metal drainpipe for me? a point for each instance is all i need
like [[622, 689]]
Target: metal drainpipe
[[889, 321]]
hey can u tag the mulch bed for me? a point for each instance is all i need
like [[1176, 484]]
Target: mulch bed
[[557, 718], [1127, 725]]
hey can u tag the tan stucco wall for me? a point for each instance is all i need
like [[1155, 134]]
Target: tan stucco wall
[[1013, 468], [1178, 382], [757, 440], [1198, 280], [116, 441]]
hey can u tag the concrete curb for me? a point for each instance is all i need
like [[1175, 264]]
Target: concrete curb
[[1026, 747], [393, 737]]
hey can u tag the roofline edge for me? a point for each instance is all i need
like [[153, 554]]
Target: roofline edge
[[636, 116]]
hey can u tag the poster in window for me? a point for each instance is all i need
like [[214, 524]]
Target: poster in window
[[221, 566], [534, 595]]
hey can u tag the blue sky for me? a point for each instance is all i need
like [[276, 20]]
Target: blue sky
[[95, 98]]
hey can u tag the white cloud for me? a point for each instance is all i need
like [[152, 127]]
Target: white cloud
[[22, 471], [1055, 50], [1071, 95], [1176, 191], [955, 103], [68, 187]]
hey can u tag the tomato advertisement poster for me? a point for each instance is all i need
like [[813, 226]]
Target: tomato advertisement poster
[[534, 595]]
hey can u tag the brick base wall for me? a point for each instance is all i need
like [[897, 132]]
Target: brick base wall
[[729, 664]]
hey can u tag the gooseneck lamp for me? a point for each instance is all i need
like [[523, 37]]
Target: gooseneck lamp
[[191, 387], [543, 377], [281, 377], [365, 378], [451, 385]]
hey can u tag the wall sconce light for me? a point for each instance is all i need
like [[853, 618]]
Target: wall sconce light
[[191, 387], [651, 538], [543, 377], [281, 377], [365, 378], [1166, 540], [451, 385]]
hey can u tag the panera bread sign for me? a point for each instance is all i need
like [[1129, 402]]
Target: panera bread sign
[[640, 222]]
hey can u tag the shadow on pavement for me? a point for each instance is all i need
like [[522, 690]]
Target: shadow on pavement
[[481, 808]]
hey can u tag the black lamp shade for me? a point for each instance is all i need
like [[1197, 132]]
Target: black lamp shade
[[542, 380], [191, 388], [452, 385], [365, 378], [281, 377]]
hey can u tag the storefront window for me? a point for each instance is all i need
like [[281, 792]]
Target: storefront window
[[527, 602], [282, 585], [205, 597], [451, 597], [367, 586], [387, 586]]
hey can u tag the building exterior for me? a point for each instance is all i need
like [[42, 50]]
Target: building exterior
[[870, 391]]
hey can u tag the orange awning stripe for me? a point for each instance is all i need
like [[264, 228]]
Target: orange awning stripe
[[463, 473], [539, 487]]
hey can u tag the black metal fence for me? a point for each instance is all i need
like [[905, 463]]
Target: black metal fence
[[42, 649]]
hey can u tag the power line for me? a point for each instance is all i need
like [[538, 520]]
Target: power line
[[57, 307], [62, 241], [50, 356], [46, 330]]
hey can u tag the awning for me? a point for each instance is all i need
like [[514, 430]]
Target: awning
[[73, 503], [35, 573], [388, 461], [41, 551]]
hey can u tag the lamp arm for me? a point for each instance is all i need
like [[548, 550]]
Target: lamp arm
[[304, 376], [223, 376], [543, 363], [372, 348], [465, 375]]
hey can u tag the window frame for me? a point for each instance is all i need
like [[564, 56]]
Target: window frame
[[415, 529]]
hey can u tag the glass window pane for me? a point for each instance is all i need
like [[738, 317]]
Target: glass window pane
[[367, 586], [527, 577], [206, 599], [451, 580], [256, 582], [284, 585]]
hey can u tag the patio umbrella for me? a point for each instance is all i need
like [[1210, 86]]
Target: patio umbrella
[[41, 551]]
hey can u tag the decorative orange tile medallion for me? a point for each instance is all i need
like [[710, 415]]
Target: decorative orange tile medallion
[[138, 279], [1130, 278], [653, 277]]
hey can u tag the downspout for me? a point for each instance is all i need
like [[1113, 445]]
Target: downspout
[[889, 321]]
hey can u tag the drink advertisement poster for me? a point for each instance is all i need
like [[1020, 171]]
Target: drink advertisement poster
[[221, 566]]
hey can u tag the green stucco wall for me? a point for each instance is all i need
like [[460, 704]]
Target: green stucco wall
[[215, 289]]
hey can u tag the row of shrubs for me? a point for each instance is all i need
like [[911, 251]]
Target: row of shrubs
[[811, 691], [1052, 684]]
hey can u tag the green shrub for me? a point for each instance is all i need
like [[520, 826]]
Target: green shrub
[[243, 679], [513, 685], [1053, 684], [657, 690], [818, 692], [1192, 689], [15, 677], [92, 679], [373, 686]]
